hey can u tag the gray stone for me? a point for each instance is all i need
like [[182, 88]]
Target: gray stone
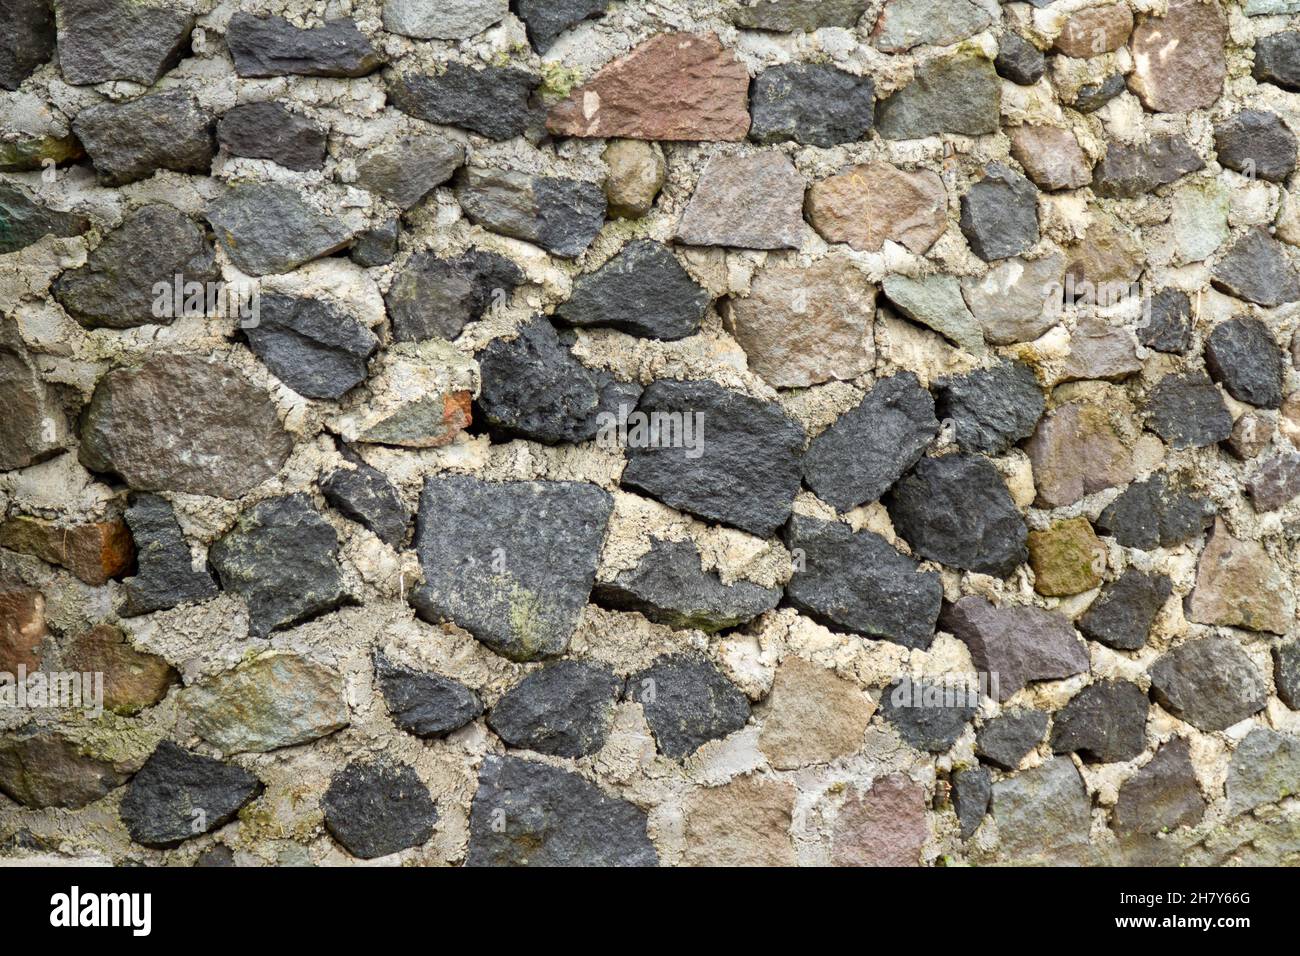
[[272, 46], [873, 444], [641, 291], [1277, 60], [165, 575], [1256, 144], [742, 467], [365, 495], [856, 581], [905, 24], [1093, 96], [314, 347], [36, 427], [687, 703], [811, 104], [1016, 644], [531, 814], [1246, 360], [563, 709], [436, 298], [749, 202], [1127, 171], [1152, 514], [178, 795], [133, 140], [511, 563], [562, 216], [272, 131], [1187, 411], [669, 586], [1286, 673], [545, 20], [103, 40], [1121, 617], [27, 39], [444, 20], [1276, 482], [1103, 723], [270, 228], [115, 288], [24, 220], [41, 768], [1013, 302], [282, 558], [1264, 769], [957, 94], [928, 716], [936, 302], [1162, 796], [375, 809], [1007, 739], [999, 215], [492, 101], [1099, 350], [377, 246], [956, 510], [426, 705], [789, 16], [972, 790], [1257, 269], [1018, 60], [991, 408], [1170, 325], [1209, 682], [404, 171], [1042, 813]]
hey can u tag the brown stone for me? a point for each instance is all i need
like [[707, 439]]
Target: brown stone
[[636, 174], [95, 552], [1067, 558], [750, 202], [865, 205], [1051, 157], [803, 325], [44, 769], [1250, 435], [1075, 452], [1099, 350], [1108, 254], [744, 823], [808, 695], [22, 627], [1163, 795], [675, 86], [1178, 59], [1276, 483], [1239, 585], [133, 680], [885, 826], [1096, 31]]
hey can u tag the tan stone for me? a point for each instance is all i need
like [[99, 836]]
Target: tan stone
[[674, 86], [750, 202], [1239, 585], [22, 627], [1108, 253], [806, 696], [744, 823], [1067, 558], [1075, 452], [885, 826], [803, 325], [865, 205], [1096, 31], [1099, 350], [133, 680], [636, 174], [94, 552], [1051, 157], [1178, 59]]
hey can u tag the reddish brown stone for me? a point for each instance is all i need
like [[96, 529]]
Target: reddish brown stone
[[133, 680], [1051, 157], [1076, 451], [1178, 59], [883, 827], [1096, 31], [94, 552], [22, 627], [675, 86], [865, 205]]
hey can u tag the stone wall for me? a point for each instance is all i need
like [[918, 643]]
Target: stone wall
[[626, 432]]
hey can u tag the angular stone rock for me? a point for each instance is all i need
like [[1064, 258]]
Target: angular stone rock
[[1170, 326], [991, 408], [28, 40], [282, 558], [804, 325], [492, 101], [1012, 302], [272, 46], [1257, 270], [1042, 812], [1093, 96], [1179, 62], [24, 153], [1276, 482], [745, 467], [166, 576], [1130, 171], [563, 709], [133, 140], [1005, 740], [272, 131], [885, 826], [1277, 60], [999, 215], [562, 216], [1187, 411], [1103, 723], [642, 291], [24, 220], [418, 397], [670, 587], [1263, 770], [956, 510], [104, 40], [22, 627], [1209, 682], [96, 552], [551, 818], [1256, 144], [865, 205], [750, 202], [314, 347], [1239, 585], [789, 16], [178, 795], [1066, 557], [1051, 157], [378, 808], [36, 426], [687, 702], [436, 298], [958, 94], [1246, 360], [115, 288], [1099, 350], [928, 716], [545, 20], [42, 768], [1152, 514], [270, 228], [811, 104], [365, 495], [1018, 60], [405, 170], [873, 444], [1075, 452], [905, 24], [936, 302], [426, 705], [972, 789], [511, 563], [674, 86], [1095, 31], [806, 695], [1121, 617], [1017, 644], [446, 20], [636, 174], [1251, 434], [377, 246], [1162, 796]]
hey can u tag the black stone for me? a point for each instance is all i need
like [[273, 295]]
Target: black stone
[[1129, 171], [641, 291], [1246, 360], [131, 141], [312, 346], [272, 131], [991, 408], [1094, 96], [1286, 673], [24, 220], [376, 247], [492, 101], [436, 298], [379, 808], [165, 575], [178, 795], [1256, 144], [365, 495], [1277, 60], [26, 39], [563, 216], [687, 703], [1150, 514], [272, 46], [1121, 617], [1018, 60], [1005, 740], [1187, 411], [103, 40], [928, 716], [1209, 682], [1170, 326], [563, 709], [811, 104], [1103, 723], [1257, 269], [545, 20], [972, 789], [426, 705], [999, 214]]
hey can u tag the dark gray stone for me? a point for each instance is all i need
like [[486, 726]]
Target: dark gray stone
[[1170, 325], [115, 288], [315, 348], [811, 104], [957, 94], [365, 495], [563, 709], [1187, 411], [133, 140], [687, 702], [436, 298], [511, 563], [858, 582], [744, 467], [36, 425], [789, 16], [26, 39], [103, 40], [178, 795], [1129, 171], [641, 291], [1151, 514], [956, 510], [377, 246], [1286, 673], [405, 170], [1246, 360], [1103, 723], [1264, 770], [1094, 96], [1277, 60], [531, 814], [563, 216], [165, 577], [1257, 144], [1162, 796], [871, 445], [991, 408], [928, 716], [272, 131], [269, 228], [545, 20], [1209, 682], [1121, 617], [492, 101], [272, 46], [999, 214], [24, 220], [1257, 269], [1005, 740], [1276, 483], [426, 705], [379, 808], [282, 558], [669, 586], [1018, 60], [972, 789]]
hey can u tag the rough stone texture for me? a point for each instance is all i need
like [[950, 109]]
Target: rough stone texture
[[178, 795], [272, 46], [133, 680], [745, 822], [426, 705], [751, 202], [405, 170], [885, 826], [270, 130], [24, 220], [1277, 60], [1129, 171], [636, 174], [1257, 269], [1161, 796], [1239, 585], [810, 104], [905, 24], [936, 302], [1256, 143], [1019, 61], [1276, 483], [493, 102], [972, 790], [95, 552], [786, 16], [446, 20], [1051, 157], [316, 349], [958, 94], [560, 215], [1011, 303], [992, 408], [868, 204], [642, 291], [562, 710], [1122, 615], [1179, 62], [687, 702], [42, 768], [22, 627], [1093, 96], [269, 227], [1187, 411], [1151, 514], [804, 694], [133, 140], [436, 298], [28, 41], [1067, 558], [1095, 31], [928, 716], [1210, 682], [1246, 360], [1170, 328], [1103, 723], [546, 20], [366, 496], [1263, 770], [1005, 740], [999, 215], [1042, 812], [378, 808], [103, 40]]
